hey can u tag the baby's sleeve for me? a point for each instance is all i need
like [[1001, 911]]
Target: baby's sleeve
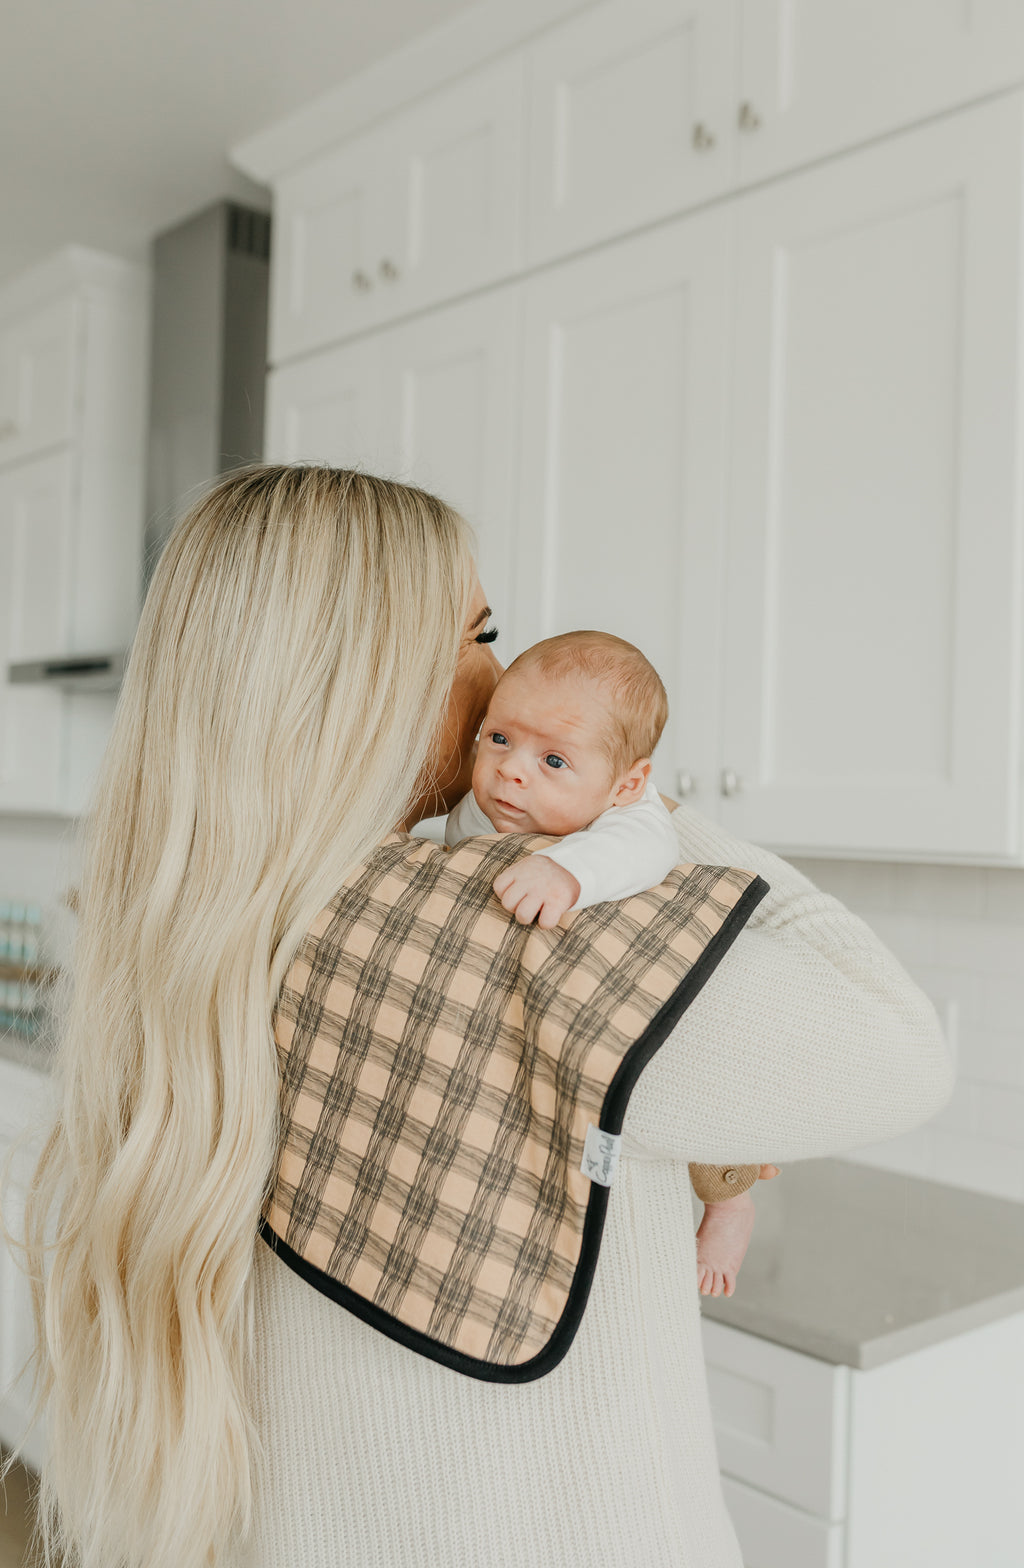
[[626, 850]]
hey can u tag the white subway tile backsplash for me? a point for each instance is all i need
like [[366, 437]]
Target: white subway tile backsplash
[[959, 932], [930, 890], [977, 1163], [1000, 1114], [960, 1114], [1004, 896], [910, 1154], [996, 1056]]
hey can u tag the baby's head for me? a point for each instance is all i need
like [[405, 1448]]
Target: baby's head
[[569, 732]]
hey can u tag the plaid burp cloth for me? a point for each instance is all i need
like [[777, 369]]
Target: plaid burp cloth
[[454, 1086]]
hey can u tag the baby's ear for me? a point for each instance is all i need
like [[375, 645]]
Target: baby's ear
[[632, 785]]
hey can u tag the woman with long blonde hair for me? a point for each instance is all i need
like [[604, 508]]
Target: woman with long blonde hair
[[292, 668], [310, 670]]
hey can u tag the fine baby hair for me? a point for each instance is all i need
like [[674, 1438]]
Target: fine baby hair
[[637, 698]]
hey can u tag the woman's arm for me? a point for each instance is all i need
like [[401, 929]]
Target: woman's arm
[[808, 1039]]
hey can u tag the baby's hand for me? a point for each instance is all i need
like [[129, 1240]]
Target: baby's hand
[[537, 888]]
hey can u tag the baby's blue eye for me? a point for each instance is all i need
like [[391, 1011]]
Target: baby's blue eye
[[553, 761], [498, 738]]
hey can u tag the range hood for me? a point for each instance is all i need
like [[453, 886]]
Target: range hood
[[208, 365]]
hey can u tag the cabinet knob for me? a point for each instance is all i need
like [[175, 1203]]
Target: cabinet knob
[[361, 280], [388, 271], [749, 119], [730, 782], [703, 141], [8, 429], [685, 783]]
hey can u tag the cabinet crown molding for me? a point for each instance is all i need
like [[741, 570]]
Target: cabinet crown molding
[[471, 38]]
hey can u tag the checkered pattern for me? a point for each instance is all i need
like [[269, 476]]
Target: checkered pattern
[[440, 1065]]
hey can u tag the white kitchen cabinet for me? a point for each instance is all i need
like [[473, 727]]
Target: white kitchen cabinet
[[913, 1462], [631, 119], [73, 343], [39, 351], [36, 581], [872, 617], [820, 76], [423, 208], [623, 462], [23, 1102], [434, 403]]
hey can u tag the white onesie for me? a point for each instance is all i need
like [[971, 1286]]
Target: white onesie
[[624, 851]]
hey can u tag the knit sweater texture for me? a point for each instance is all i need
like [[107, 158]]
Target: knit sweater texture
[[808, 1039]]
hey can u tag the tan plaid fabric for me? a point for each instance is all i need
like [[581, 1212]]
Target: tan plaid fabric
[[440, 1066]]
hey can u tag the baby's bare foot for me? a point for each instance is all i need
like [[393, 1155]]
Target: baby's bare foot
[[722, 1240]]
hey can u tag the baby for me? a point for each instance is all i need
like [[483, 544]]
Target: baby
[[565, 748]]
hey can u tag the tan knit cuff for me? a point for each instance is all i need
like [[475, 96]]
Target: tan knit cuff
[[716, 1183]]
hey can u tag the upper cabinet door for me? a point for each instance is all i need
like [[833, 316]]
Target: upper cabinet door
[[421, 210], [872, 648], [632, 119], [451, 397], [327, 409], [624, 403], [433, 403], [39, 358], [818, 76]]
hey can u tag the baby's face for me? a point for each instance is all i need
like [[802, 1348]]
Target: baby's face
[[541, 766]]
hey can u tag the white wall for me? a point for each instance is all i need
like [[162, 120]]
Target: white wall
[[958, 930]]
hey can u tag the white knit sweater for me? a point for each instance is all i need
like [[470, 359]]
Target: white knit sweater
[[808, 1039]]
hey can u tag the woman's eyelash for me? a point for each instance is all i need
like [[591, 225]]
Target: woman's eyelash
[[489, 635]]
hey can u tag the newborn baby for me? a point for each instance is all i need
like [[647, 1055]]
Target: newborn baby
[[565, 748]]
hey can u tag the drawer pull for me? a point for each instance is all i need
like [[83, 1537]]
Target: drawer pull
[[388, 271], [703, 140], [361, 280], [749, 119]]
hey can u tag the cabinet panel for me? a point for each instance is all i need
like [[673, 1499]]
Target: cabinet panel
[[36, 565], [631, 119], [327, 409], [623, 458], [822, 75], [872, 685], [38, 364], [433, 403], [780, 1419], [451, 385], [774, 1535], [423, 209]]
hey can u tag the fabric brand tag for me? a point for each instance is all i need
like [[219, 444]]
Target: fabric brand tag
[[600, 1155]]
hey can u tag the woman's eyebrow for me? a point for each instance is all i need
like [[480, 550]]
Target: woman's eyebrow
[[485, 615]]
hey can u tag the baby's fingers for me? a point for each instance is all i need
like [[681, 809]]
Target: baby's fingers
[[503, 882], [551, 912]]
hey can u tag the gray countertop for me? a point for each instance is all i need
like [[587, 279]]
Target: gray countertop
[[858, 1266]]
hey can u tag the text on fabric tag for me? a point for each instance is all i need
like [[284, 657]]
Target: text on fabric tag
[[600, 1155]]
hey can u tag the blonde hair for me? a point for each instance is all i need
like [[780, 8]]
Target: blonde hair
[[290, 672], [637, 700]]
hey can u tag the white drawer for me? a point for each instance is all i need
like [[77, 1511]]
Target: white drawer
[[774, 1535], [780, 1419]]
